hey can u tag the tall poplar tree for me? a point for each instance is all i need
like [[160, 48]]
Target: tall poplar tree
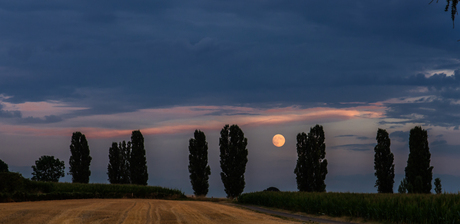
[[115, 161], [233, 159], [125, 151], [80, 159], [118, 168], [383, 163], [198, 163], [419, 173], [311, 167], [138, 161]]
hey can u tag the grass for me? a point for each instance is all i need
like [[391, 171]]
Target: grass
[[392, 208]]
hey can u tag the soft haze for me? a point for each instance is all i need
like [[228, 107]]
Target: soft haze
[[106, 68]]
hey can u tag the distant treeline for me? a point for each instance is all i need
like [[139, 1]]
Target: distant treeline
[[15, 188]]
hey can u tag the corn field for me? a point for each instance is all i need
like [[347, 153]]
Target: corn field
[[392, 208]]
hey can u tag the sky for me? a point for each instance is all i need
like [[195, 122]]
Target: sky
[[167, 68]]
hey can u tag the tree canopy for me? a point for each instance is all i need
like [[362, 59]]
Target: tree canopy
[[118, 167], [419, 173], [198, 163], [138, 161], [311, 167], [383, 163], [48, 168], [80, 159], [233, 159]]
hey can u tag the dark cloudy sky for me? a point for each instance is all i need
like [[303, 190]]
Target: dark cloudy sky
[[106, 68]]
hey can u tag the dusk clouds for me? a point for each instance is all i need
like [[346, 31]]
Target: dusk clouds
[[167, 68]]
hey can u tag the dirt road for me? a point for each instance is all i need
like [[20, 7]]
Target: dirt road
[[120, 211]]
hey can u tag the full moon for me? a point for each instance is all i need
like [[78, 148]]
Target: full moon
[[278, 140]]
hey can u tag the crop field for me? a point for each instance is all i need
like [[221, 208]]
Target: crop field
[[128, 211], [393, 208]]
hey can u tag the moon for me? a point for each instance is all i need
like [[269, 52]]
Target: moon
[[278, 140]]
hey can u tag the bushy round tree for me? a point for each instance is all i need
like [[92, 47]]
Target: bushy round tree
[[48, 168]]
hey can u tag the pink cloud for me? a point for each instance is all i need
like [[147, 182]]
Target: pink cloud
[[185, 119]]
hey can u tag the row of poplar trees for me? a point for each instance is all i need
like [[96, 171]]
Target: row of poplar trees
[[127, 161], [233, 160], [311, 168], [419, 173]]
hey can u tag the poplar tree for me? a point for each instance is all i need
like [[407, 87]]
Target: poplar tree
[[118, 168], [115, 161], [125, 150], [303, 169], [198, 163], [419, 173], [311, 167], [138, 161], [80, 159], [233, 159], [383, 163]]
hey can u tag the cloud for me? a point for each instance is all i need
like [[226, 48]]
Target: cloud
[[440, 147], [400, 136], [355, 147], [435, 111], [34, 112], [184, 119], [9, 114], [213, 52], [354, 136], [46, 119]]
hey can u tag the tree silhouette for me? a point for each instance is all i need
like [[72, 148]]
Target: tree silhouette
[[80, 159], [233, 159], [3, 166], [419, 173], [138, 161], [125, 151], [47, 168], [383, 163], [453, 8], [402, 189], [198, 163], [437, 186], [118, 167], [113, 169], [311, 167]]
